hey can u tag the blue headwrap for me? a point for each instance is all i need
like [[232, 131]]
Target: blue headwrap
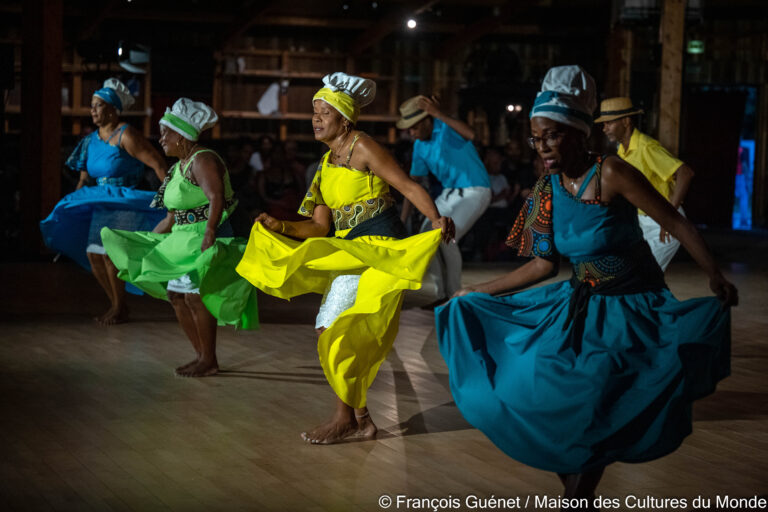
[[110, 96], [567, 96]]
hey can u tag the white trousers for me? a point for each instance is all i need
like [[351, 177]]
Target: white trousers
[[464, 206], [662, 251]]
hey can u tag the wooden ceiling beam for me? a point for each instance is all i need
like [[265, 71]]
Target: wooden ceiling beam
[[245, 21], [90, 25], [381, 29], [354, 24], [492, 24]]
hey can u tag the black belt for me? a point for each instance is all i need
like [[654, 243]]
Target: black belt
[[387, 223]]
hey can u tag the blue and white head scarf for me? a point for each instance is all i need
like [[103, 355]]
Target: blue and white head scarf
[[116, 94], [568, 96]]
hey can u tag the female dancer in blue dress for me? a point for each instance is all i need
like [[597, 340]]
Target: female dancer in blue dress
[[114, 155], [604, 367]]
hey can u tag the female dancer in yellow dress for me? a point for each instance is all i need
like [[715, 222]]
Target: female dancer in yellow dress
[[363, 269]]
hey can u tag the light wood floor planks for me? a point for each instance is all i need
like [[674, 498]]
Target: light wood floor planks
[[92, 418]]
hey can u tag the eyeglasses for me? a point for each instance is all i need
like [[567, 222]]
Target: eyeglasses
[[551, 139]]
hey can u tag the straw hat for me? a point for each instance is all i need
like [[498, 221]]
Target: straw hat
[[410, 113], [616, 108]]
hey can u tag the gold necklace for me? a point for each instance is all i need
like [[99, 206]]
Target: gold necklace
[[572, 182], [190, 153], [334, 153]]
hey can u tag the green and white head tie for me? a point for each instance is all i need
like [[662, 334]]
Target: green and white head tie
[[189, 118]]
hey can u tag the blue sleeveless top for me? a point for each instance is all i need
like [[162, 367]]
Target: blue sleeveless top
[[585, 230], [109, 164], [603, 241]]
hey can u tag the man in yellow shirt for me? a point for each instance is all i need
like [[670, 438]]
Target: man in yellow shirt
[[668, 175]]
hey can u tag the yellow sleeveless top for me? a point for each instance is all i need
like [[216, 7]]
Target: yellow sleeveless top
[[353, 196]]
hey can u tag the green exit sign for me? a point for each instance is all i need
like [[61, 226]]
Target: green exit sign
[[696, 46]]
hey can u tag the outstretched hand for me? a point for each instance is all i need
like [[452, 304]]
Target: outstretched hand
[[725, 291], [446, 227], [270, 222]]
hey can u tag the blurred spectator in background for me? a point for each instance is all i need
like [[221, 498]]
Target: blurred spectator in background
[[265, 143], [280, 186]]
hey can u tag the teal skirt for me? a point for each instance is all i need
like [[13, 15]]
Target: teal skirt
[[624, 395]]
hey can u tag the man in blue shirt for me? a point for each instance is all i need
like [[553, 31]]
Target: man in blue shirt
[[443, 146]]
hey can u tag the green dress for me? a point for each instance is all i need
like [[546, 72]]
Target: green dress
[[149, 260]]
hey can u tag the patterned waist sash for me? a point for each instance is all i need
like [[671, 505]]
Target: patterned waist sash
[[199, 214], [352, 215], [632, 271]]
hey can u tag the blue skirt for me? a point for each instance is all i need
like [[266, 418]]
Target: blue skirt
[[626, 396], [77, 219]]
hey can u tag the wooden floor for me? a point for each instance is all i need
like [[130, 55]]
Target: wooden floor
[[92, 418]]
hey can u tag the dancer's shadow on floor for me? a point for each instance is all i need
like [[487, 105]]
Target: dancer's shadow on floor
[[300, 377], [442, 418]]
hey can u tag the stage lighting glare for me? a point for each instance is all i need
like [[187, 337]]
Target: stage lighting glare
[[411, 23]]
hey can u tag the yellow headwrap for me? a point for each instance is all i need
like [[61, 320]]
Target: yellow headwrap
[[341, 101]]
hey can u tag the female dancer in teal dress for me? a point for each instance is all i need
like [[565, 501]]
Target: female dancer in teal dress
[[604, 367], [114, 155]]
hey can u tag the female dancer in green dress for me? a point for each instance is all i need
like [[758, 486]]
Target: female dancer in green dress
[[190, 256]]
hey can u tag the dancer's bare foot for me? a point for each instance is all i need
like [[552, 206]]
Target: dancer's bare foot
[[366, 429], [201, 368], [335, 431], [113, 316], [342, 429], [187, 366]]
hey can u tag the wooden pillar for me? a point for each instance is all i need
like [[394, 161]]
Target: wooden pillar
[[77, 93], [672, 32], [760, 176], [618, 78], [41, 116]]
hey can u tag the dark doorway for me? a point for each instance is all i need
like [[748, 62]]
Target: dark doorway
[[711, 130]]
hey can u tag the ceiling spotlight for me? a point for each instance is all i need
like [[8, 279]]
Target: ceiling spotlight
[[510, 108], [345, 7], [411, 23], [518, 108], [374, 4]]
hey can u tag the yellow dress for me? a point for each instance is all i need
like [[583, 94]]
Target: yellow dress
[[353, 347]]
